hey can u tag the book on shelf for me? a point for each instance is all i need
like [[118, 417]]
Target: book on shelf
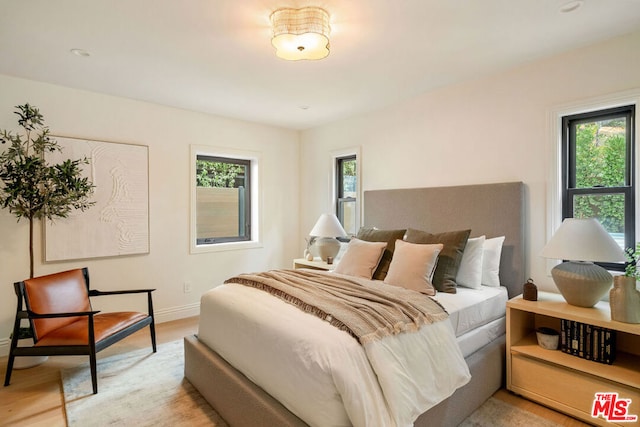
[[588, 341]]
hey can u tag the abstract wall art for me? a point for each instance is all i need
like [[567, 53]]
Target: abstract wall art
[[118, 223]]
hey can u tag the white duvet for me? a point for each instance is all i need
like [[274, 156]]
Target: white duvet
[[322, 374]]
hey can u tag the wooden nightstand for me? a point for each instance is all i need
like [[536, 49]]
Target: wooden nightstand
[[316, 264], [562, 381]]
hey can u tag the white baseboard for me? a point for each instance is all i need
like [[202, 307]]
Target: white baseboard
[[4, 346], [161, 316], [175, 313]]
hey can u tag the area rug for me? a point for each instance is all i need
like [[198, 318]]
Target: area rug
[[141, 388], [496, 413], [137, 388]]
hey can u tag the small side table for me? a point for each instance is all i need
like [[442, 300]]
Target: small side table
[[316, 264]]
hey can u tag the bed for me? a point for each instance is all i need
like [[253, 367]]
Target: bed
[[490, 210]]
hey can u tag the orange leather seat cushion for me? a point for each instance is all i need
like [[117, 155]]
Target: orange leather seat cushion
[[104, 324]]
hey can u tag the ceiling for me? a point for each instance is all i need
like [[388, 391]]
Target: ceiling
[[215, 56]]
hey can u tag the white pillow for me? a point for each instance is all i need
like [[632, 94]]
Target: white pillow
[[470, 271], [412, 266], [361, 258], [491, 261]]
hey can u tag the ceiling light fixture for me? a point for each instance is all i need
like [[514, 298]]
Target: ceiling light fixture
[[300, 33]]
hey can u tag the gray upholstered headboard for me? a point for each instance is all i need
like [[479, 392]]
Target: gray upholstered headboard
[[487, 209]]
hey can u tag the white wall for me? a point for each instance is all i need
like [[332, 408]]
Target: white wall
[[489, 130], [168, 132], [493, 129]]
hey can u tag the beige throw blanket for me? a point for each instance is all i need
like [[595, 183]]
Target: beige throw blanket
[[368, 311]]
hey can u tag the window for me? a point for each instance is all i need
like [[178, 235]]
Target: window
[[224, 199], [223, 202], [598, 171], [346, 192]]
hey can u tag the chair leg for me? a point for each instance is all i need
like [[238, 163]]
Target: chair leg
[[12, 356], [7, 377], [152, 328], [152, 325], [94, 372]]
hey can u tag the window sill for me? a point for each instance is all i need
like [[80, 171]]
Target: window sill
[[223, 247]]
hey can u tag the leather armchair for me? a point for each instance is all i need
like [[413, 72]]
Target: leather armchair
[[58, 308]]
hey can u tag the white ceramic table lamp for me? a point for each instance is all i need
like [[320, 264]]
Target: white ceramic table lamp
[[326, 230], [582, 242]]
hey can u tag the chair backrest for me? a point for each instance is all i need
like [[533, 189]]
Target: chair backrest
[[63, 292]]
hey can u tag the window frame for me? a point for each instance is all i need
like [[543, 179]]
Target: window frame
[[247, 199], [340, 197], [569, 187], [337, 156], [254, 206]]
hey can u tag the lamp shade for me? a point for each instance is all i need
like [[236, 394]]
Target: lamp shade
[[300, 33], [583, 240], [328, 226]]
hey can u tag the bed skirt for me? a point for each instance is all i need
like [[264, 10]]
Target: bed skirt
[[242, 403]]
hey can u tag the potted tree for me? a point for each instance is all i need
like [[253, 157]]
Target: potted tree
[[32, 188]]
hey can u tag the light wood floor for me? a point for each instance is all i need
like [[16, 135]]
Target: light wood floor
[[34, 397]]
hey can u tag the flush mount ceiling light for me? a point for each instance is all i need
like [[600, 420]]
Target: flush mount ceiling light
[[300, 33]]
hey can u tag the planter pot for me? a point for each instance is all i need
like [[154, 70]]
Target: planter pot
[[624, 300], [24, 362]]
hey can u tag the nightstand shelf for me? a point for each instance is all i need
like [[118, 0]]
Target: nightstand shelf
[[562, 381], [624, 370], [316, 264]]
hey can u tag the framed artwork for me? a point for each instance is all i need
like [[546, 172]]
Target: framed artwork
[[118, 223]]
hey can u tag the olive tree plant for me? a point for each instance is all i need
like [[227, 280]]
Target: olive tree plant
[[32, 188]]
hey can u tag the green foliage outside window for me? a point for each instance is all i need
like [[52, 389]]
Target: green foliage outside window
[[217, 174], [349, 168], [600, 162]]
